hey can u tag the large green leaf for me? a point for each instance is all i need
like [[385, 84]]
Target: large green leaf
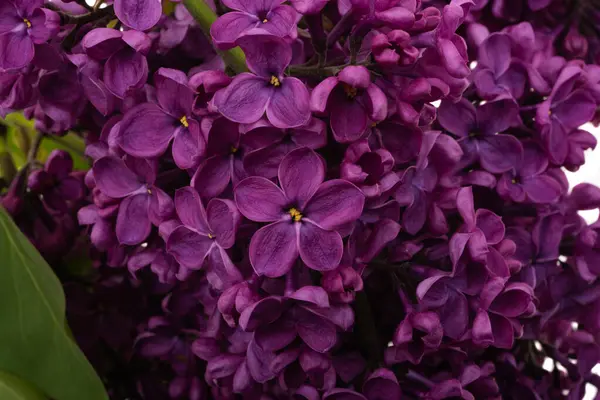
[[34, 344], [13, 388]]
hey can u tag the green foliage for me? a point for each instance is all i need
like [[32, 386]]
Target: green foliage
[[13, 388], [19, 136], [36, 347]]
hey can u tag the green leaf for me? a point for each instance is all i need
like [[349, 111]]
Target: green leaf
[[13, 388], [34, 343]]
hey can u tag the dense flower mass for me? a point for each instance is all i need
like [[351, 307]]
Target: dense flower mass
[[320, 200]]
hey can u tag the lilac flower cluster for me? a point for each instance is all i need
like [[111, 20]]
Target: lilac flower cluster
[[375, 209]]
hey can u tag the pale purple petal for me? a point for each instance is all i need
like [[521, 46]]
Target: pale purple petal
[[125, 70], [300, 174], [348, 120], [266, 55], [16, 50], [188, 145], [457, 118]]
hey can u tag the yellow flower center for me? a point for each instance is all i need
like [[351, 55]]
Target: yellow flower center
[[264, 21], [184, 121], [210, 236], [295, 214], [275, 81], [27, 22], [234, 150], [149, 191], [350, 91]]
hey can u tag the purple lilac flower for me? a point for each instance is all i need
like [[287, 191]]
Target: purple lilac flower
[[147, 129], [143, 203], [205, 234], [23, 25], [370, 170], [528, 181], [267, 18], [126, 66], [352, 102], [249, 96], [479, 131], [56, 183], [304, 215]]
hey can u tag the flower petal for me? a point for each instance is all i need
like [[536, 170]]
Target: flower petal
[[348, 120], [188, 145], [318, 333], [114, 179], [224, 219], [274, 249], [499, 153], [266, 55], [190, 209], [189, 248], [320, 250], [146, 131], [125, 70], [138, 14], [245, 99], [133, 224], [101, 43], [289, 105], [300, 174], [260, 200], [335, 203], [229, 27], [16, 50], [457, 118]]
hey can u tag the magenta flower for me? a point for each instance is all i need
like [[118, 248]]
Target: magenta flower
[[147, 129], [370, 170], [205, 234], [126, 66], [23, 25], [285, 100], [56, 182], [479, 130], [303, 214], [352, 102], [268, 17], [143, 203], [498, 307], [480, 231], [567, 108], [528, 181], [138, 14]]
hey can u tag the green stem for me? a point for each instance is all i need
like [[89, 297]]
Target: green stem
[[202, 13]]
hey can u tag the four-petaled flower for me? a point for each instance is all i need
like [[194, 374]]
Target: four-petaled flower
[[304, 214], [285, 100], [205, 233]]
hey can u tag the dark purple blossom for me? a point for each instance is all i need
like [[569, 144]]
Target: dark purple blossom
[[352, 102]]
